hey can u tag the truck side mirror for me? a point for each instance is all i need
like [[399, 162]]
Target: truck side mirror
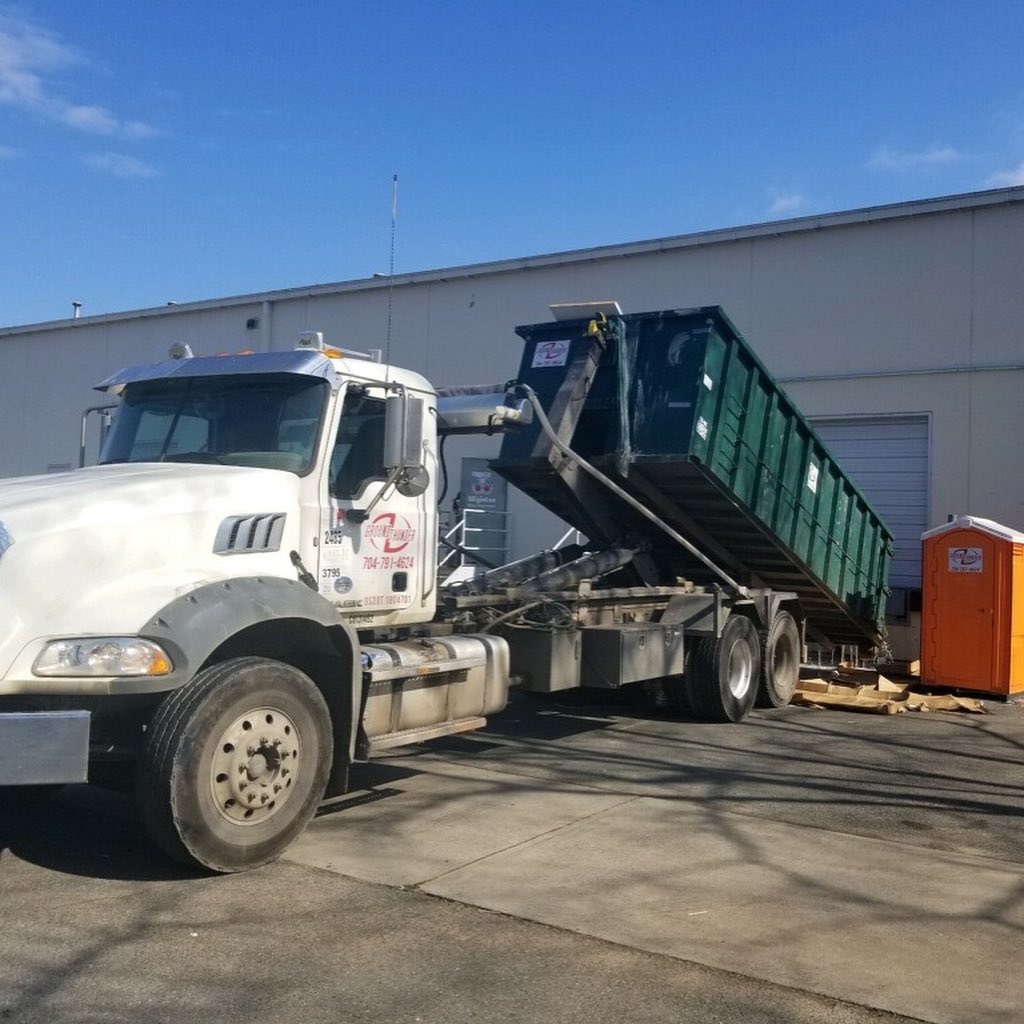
[[403, 443], [403, 432]]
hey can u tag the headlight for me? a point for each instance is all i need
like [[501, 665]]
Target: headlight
[[102, 656], [6, 540]]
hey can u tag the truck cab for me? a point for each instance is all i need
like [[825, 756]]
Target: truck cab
[[362, 528], [230, 596]]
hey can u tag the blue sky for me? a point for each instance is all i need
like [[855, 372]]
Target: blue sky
[[155, 151]]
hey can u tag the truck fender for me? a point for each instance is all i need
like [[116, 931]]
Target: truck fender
[[253, 616]]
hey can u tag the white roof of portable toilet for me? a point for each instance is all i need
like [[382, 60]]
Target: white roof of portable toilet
[[976, 523]]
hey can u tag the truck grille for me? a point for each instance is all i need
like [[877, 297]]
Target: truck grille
[[241, 535]]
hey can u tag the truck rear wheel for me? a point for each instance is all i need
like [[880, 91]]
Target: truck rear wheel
[[724, 672], [780, 667], [235, 764], [676, 692]]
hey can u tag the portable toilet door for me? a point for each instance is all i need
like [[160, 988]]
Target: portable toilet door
[[972, 615]]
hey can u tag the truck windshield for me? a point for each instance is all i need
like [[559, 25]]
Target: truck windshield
[[266, 420]]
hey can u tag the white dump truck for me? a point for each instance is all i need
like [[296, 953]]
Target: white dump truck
[[240, 600]]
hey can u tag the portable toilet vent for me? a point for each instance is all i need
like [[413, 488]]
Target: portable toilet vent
[[972, 615]]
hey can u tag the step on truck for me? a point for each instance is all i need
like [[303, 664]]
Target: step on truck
[[241, 599]]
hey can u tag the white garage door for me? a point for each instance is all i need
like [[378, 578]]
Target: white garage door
[[887, 458]]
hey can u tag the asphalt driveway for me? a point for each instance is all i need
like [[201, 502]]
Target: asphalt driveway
[[581, 859]]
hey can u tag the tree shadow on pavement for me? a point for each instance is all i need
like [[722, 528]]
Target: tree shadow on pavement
[[83, 830]]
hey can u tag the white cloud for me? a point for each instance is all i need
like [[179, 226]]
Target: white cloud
[[94, 120], [789, 203], [27, 52], [121, 166], [138, 130], [29, 56], [888, 159], [1007, 179], [100, 121]]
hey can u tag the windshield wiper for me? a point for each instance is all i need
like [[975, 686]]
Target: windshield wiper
[[193, 457]]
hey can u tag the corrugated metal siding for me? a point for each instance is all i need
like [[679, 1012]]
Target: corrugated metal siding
[[887, 457]]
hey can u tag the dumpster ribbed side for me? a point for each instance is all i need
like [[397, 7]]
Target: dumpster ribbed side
[[717, 449]]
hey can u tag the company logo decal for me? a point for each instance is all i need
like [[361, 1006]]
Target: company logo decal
[[966, 560], [483, 481], [551, 353], [390, 533]]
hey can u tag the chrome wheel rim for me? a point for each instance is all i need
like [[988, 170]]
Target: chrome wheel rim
[[741, 669]]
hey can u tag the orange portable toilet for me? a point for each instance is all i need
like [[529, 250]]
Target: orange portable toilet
[[972, 606]]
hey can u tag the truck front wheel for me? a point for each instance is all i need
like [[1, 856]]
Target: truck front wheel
[[235, 764], [724, 672]]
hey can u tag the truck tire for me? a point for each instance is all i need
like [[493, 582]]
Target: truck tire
[[235, 764], [27, 796], [780, 662], [724, 672], [676, 692]]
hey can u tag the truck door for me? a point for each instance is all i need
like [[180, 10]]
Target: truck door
[[373, 571]]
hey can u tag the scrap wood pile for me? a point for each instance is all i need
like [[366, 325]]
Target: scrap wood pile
[[860, 690]]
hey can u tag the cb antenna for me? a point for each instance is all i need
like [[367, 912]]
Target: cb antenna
[[391, 265]]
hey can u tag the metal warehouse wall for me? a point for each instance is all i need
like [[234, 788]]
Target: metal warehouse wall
[[909, 310]]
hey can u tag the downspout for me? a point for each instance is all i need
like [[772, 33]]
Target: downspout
[[266, 332]]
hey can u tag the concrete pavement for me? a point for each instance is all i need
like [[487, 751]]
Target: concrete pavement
[[876, 860]]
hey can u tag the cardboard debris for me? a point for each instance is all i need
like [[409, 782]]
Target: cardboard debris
[[906, 668], [883, 696], [944, 702]]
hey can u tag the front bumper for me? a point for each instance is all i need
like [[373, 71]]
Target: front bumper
[[38, 747]]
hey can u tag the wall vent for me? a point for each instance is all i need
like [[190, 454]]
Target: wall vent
[[242, 535]]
